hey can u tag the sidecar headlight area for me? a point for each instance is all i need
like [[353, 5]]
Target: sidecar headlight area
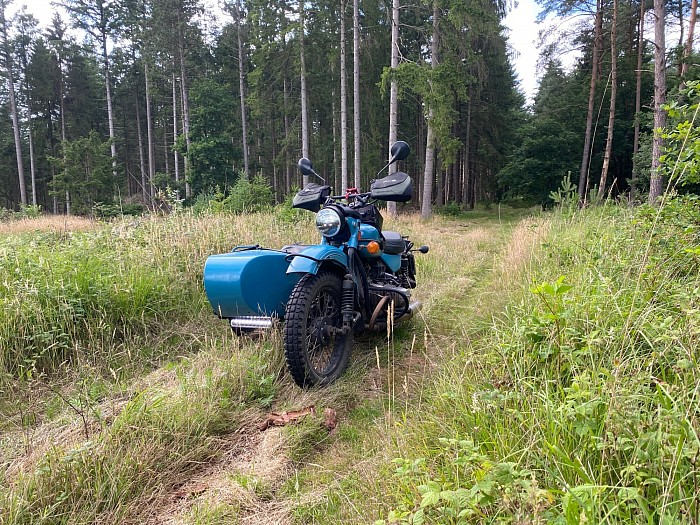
[[329, 222]]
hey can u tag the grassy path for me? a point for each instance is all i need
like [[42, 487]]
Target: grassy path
[[303, 474], [180, 444]]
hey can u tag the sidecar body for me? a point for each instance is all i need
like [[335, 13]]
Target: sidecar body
[[250, 286]]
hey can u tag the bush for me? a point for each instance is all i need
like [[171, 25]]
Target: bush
[[249, 195], [244, 196]]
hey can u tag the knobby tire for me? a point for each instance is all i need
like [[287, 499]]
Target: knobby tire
[[315, 302]]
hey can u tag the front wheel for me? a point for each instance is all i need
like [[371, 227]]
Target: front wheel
[[316, 351]]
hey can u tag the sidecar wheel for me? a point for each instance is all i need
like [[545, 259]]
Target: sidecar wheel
[[315, 355]]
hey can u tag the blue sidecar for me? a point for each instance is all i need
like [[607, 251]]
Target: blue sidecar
[[250, 286]]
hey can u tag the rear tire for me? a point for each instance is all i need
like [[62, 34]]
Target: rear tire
[[315, 354]]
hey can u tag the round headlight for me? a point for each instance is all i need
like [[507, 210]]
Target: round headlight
[[329, 222]]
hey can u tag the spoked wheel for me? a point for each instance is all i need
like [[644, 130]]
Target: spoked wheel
[[316, 353]]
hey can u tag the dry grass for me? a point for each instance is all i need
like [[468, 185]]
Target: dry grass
[[244, 472], [49, 223]]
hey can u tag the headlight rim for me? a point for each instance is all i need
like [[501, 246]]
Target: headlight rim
[[338, 227]]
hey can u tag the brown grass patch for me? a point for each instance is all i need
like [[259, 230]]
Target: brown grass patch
[[518, 252], [49, 223]]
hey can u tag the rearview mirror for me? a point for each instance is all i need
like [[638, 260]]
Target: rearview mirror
[[305, 166], [399, 151]]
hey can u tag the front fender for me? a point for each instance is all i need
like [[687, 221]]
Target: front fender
[[310, 259]]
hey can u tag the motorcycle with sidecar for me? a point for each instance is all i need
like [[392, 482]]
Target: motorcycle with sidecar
[[358, 278]]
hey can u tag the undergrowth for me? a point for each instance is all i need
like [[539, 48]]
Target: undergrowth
[[578, 403]]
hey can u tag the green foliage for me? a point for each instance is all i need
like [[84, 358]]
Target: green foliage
[[287, 213], [212, 154], [249, 195], [85, 172], [245, 196], [548, 152], [576, 404], [451, 209], [566, 197], [681, 158]]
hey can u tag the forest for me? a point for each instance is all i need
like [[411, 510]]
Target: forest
[[151, 105], [552, 375]]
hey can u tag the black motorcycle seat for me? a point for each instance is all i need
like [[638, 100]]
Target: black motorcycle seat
[[393, 243]]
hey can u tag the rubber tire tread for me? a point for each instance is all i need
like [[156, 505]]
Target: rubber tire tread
[[295, 324]]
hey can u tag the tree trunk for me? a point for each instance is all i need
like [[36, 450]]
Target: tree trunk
[[356, 88], [63, 123], [427, 205], [426, 208], [613, 98], [287, 162], [597, 44], [656, 186], [304, 96], [241, 82], [149, 132], [467, 157], [176, 160], [142, 157], [32, 167], [343, 103], [637, 102], [110, 112], [13, 103], [166, 150], [689, 42], [394, 91], [185, 110]]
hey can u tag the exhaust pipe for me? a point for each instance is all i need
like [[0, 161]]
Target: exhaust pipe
[[413, 309]]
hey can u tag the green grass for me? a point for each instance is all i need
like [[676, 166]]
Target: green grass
[[551, 377], [577, 403]]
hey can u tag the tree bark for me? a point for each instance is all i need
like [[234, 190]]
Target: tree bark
[[356, 88], [142, 157], [13, 103], [427, 203], [394, 92], [110, 111], [287, 162], [241, 82], [343, 103], [613, 98], [637, 102], [656, 185], [304, 96], [467, 152], [176, 160], [149, 132], [185, 109], [585, 159], [689, 42]]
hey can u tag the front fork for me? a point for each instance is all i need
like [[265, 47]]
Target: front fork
[[350, 316]]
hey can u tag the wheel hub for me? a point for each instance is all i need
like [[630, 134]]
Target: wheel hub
[[322, 330]]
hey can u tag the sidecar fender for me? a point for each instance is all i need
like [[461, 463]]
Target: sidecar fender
[[311, 258]]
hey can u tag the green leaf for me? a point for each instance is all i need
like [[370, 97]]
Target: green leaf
[[430, 499]]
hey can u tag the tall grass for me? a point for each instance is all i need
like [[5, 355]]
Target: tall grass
[[579, 401], [70, 297]]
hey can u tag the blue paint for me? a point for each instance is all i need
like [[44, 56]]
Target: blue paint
[[250, 282], [321, 252], [393, 262], [368, 233]]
